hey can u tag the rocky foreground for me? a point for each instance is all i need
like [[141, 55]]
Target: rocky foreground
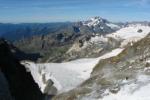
[[15, 82]]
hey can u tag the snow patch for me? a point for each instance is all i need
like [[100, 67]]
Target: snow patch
[[113, 26], [97, 39], [131, 34], [93, 21], [137, 89], [148, 61]]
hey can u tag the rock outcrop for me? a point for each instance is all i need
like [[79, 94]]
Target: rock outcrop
[[21, 85]]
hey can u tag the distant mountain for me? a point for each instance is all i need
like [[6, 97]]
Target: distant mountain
[[98, 22], [15, 32], [96, 25]]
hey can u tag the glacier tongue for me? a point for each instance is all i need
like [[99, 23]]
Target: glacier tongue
[[65, 76]]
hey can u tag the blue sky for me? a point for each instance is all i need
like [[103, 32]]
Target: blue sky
[[16, 11]]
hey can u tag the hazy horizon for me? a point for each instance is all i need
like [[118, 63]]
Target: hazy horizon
[[45, 11]]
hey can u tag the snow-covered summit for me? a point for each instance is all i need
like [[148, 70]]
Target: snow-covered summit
[[94, 21], [99, 21]]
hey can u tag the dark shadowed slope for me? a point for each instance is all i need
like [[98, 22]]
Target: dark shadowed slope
[[20, 82]]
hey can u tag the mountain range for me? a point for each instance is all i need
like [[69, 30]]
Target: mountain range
[[94, 59], [14, 32], [68, 42]]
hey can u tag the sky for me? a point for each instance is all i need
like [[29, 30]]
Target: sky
[[17, 11]]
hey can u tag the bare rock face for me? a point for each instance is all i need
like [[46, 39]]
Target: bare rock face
[[4, 88], [20, 83]]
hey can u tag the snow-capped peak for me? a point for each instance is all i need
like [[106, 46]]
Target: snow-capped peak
[[101, 22], [98, 19], [94, 21]]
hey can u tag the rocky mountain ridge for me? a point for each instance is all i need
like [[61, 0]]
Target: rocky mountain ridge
[[64, 38], [16, 83], [69, 46]]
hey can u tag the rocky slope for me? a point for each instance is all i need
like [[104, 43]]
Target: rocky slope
[[16, 83], [117, 77], [96, 45], [85, 39], [53, 47]]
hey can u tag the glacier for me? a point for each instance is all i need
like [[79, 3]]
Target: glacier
[[67, 75]]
